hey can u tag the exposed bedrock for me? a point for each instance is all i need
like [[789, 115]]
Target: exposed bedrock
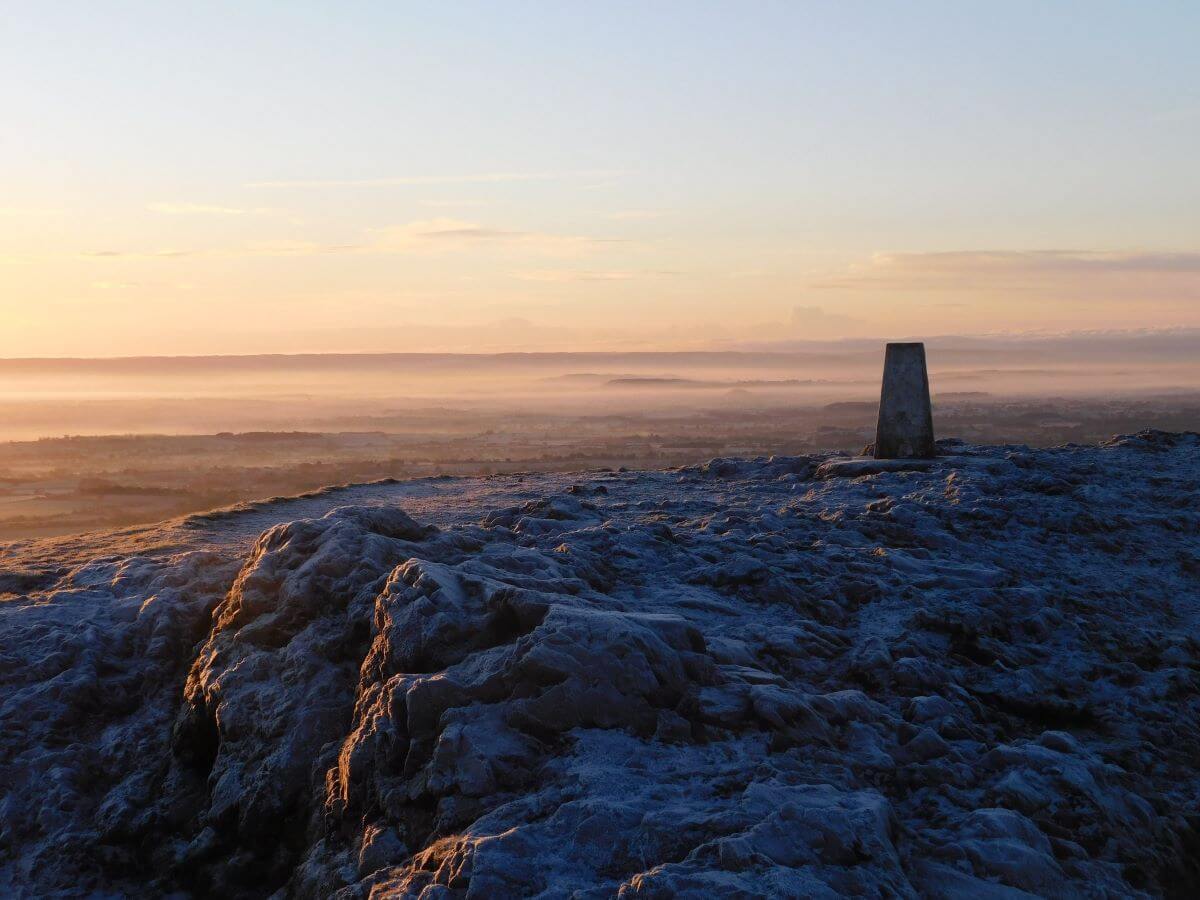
[[974, 678]]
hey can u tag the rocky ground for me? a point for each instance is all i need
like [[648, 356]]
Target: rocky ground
[[754, 678]]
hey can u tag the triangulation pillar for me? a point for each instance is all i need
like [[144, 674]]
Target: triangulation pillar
[[905, 429]]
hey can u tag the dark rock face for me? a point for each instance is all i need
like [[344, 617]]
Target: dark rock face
[[978, 678]]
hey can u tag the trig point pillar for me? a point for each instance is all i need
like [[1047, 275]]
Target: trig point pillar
[[905, 428]]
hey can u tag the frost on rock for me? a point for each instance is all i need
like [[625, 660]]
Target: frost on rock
[[753, 678]]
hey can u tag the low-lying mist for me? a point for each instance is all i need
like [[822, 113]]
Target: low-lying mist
[[89, 444], [198, 395]]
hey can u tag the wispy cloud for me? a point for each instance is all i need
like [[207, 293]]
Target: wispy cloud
[[807, 317], [1050, 260], [575, 275], [445, 234], [31, 212], [256, 248], [293, 248], [417, 180], [806, 323], [126, 285], [451, 230], [452, 204], [632, 215], [136, 254], [441, 235], [1009, 269], [205, 209]]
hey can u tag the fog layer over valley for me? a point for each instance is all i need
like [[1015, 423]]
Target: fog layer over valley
[[334, 392], [152, 438]]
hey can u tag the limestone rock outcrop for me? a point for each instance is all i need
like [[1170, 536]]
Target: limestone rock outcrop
[[978, 677]]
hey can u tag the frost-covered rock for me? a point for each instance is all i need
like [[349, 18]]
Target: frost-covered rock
[[777, 677]]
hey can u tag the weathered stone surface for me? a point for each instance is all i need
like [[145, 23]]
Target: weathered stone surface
[[977, 678], [905, 429], [855, 467]]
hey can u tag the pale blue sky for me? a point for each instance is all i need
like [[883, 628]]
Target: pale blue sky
[[181, 174]]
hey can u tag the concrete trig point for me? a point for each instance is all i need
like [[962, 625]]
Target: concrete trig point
[[905, 429]]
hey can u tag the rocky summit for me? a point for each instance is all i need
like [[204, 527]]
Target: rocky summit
[[976, 676]]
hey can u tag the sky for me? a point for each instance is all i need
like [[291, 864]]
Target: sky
[[477, 176]]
